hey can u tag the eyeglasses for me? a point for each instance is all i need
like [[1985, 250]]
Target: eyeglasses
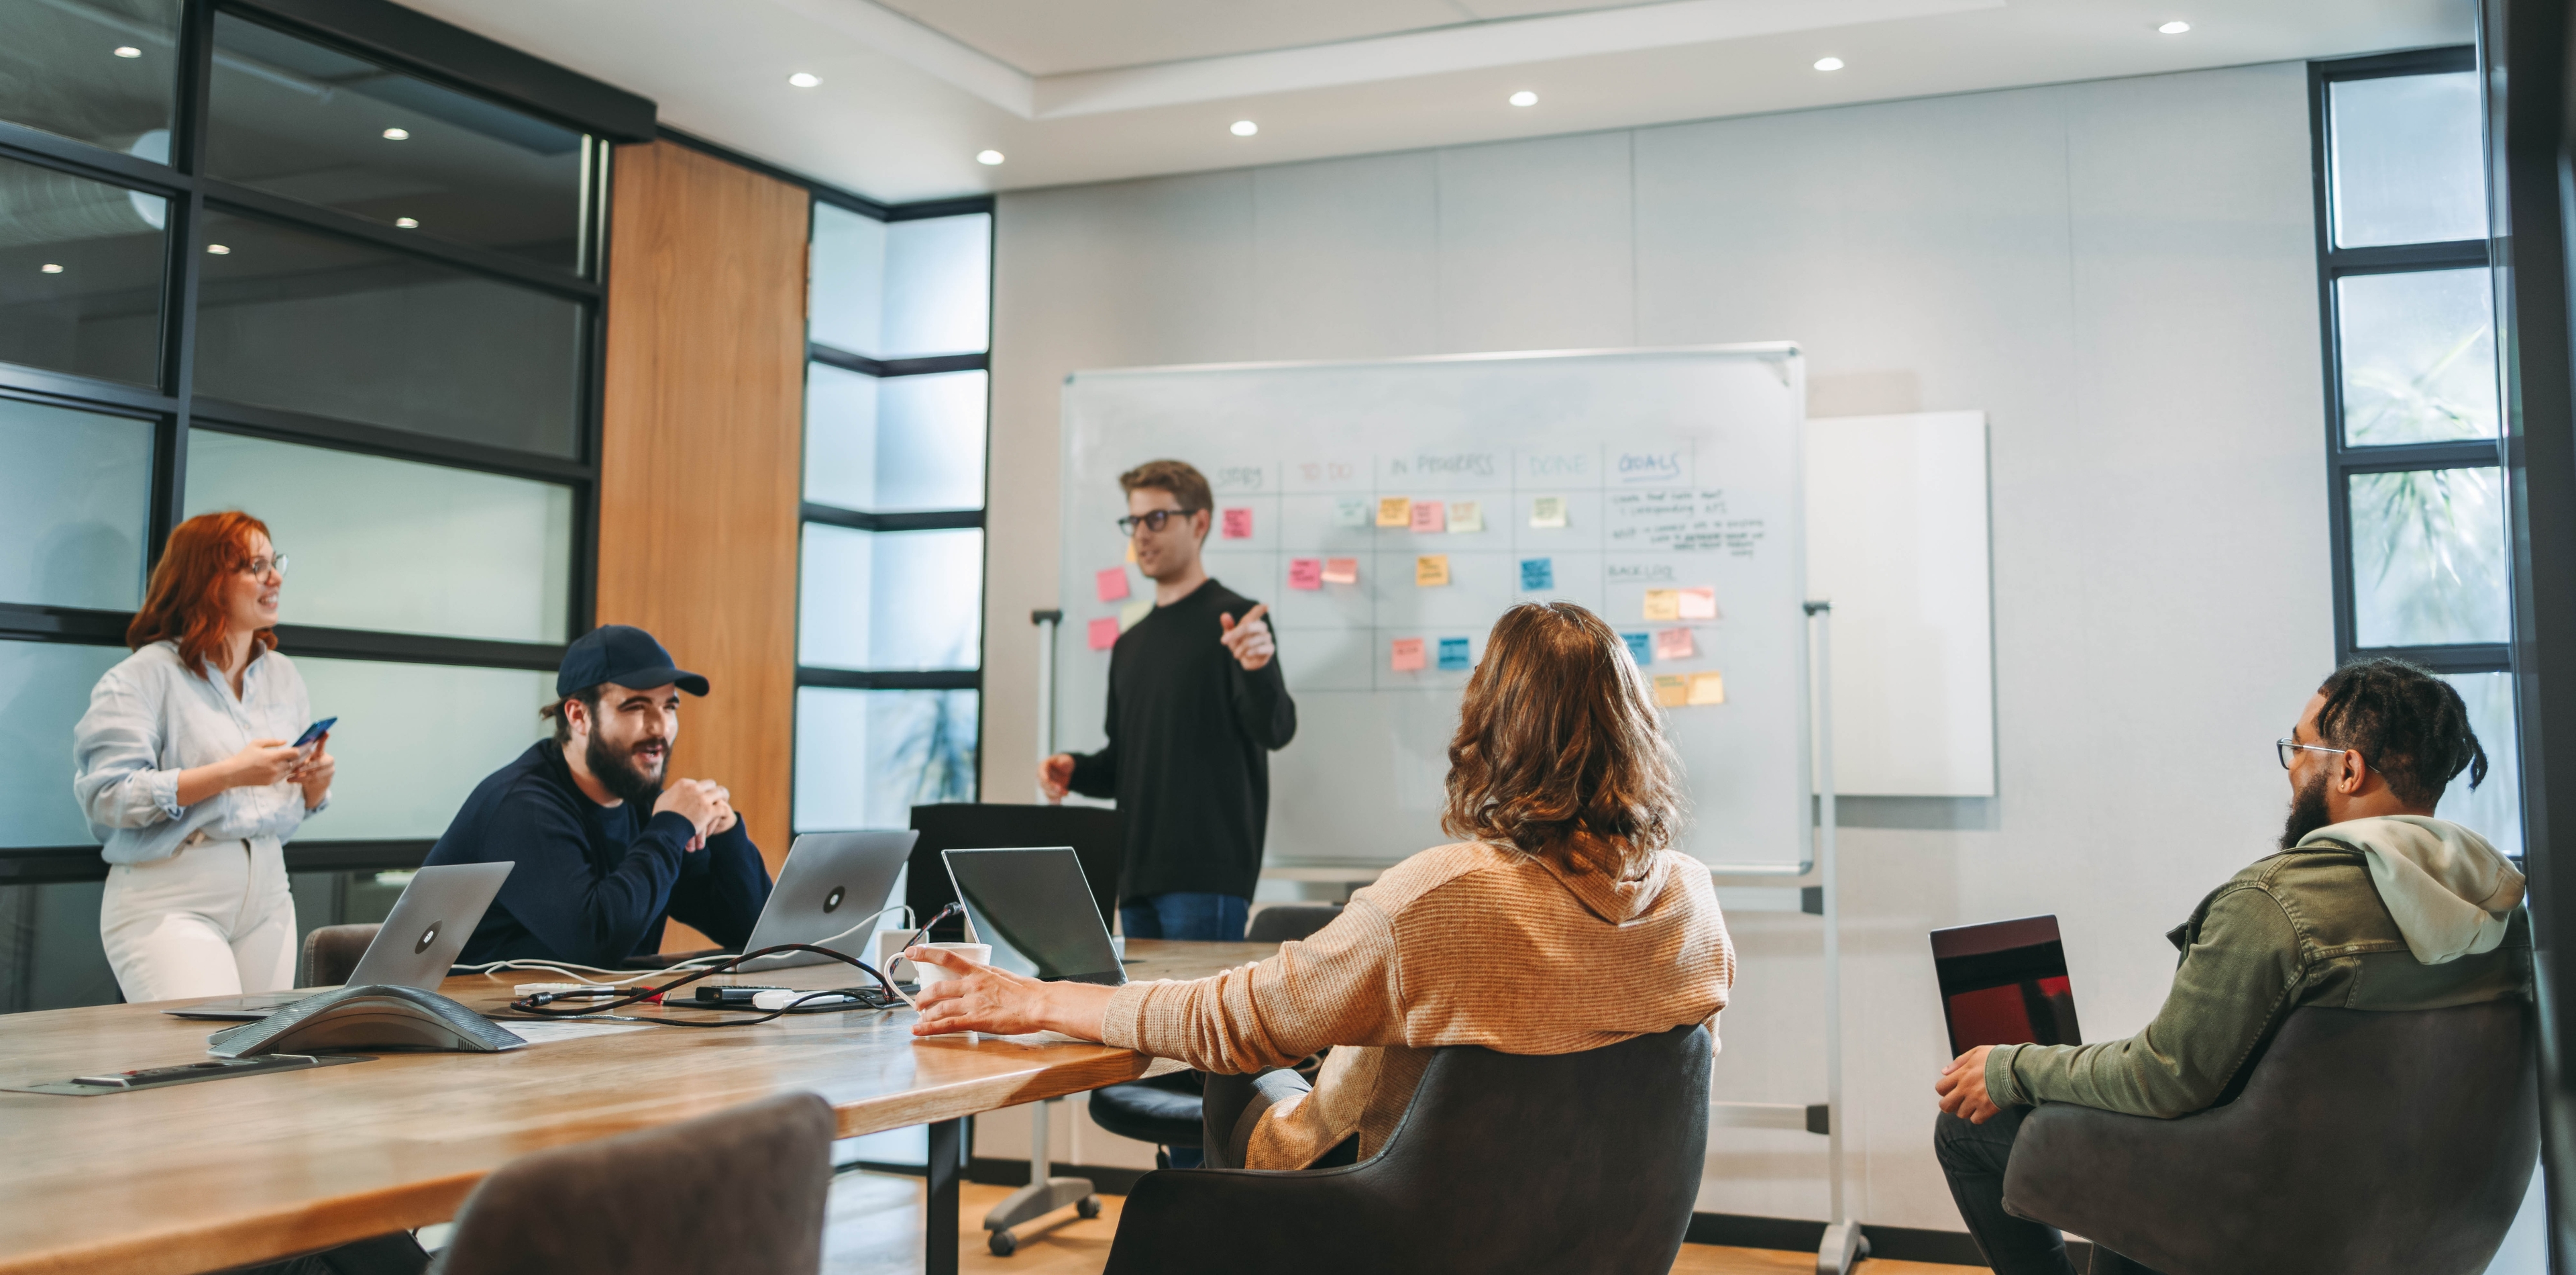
[[257, 568], [2285, 747], [1154, 521]]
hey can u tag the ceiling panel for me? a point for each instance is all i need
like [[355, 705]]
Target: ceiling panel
[[1050, 37]]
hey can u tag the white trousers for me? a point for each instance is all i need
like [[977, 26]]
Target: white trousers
[[214, 919]]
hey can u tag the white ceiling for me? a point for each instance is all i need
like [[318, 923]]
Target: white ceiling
[[1089, 90]]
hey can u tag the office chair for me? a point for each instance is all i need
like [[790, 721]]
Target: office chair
[[1563, 1163], [2365, 1143], [738, 1192], [331, 954]]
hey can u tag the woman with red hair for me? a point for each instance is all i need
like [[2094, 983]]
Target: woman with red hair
[[185, 768]]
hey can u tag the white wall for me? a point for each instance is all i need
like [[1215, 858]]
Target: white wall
[[2119, 273]]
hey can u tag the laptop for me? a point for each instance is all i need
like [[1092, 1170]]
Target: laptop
[[1035, 907], [418, 941], [2004, 983], [831, 883]]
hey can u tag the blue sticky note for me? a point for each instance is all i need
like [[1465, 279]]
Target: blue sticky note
[[1453, 655], [1641, 646], [1538, 574]]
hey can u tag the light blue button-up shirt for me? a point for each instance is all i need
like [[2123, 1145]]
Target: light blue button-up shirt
[[150, 718]]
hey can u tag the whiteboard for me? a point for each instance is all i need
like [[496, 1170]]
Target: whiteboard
[[1676, 469]]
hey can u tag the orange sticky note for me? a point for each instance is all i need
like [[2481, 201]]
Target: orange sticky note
[[1131, 552], [1427, 516], [1698, 604], [1112, 583], [1430, 569], [1672, 690], [1305, 573], [1104, 633], [1663, 604], [1673, 644], [1341, 571], [1406, 655], [1707, 688], [1395, 511], [1238, 524]]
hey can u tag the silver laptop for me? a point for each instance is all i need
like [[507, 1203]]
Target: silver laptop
[[1035, 908], [826, 890], [419, 940]]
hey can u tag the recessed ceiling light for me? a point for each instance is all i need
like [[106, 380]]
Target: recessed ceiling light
[[2174, 28], [804, 80], [50, 268], [1245, 128], [128, 51], [407, 223], [1524, 98], [988, 157], [1829, 64], [396, 134], [218, 249]]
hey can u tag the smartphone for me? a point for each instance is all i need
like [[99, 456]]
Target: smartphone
[[315, 731]]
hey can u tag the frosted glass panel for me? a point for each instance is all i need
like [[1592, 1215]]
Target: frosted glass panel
[[396, 545], [938, 286], [44, 689], [414, 739], [2418, 356], [2428, 563], [865, 758], [2494, 811], [891, 599], [76, 496], [907, 442], [2407, 160], [848, 287], [840, 437]]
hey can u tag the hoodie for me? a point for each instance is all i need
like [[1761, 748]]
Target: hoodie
[[2394, 913], [1466, 944]]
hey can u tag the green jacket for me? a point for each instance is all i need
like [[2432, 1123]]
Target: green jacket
[[2302, 927]]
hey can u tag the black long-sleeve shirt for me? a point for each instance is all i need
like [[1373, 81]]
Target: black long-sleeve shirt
[[1188, 757], [594, 883]]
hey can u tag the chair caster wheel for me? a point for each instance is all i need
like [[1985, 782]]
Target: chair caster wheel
[[1003, 1244], [1087, 1206]]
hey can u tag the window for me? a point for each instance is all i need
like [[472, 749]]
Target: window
[[355, 301], [890, 602], [2412, 429]]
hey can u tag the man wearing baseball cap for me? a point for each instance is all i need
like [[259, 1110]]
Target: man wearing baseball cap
[[606, 849]]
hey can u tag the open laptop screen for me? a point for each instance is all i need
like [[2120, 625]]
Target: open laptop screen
[[1036, 910], [2005, 983]]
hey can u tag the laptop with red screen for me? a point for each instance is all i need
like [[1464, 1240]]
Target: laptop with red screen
[[2004, 983]]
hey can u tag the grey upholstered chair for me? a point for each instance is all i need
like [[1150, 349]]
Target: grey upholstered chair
[[1564, 1163], [2364, 1144], [738, 1192], [331, 952]]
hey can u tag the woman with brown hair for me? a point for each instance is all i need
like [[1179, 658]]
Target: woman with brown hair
[[185, 769], [1562, 922]]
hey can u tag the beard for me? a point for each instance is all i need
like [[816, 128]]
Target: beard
[[2307, 811], [621, 774]]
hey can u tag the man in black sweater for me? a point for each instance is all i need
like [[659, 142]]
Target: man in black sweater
[[1196, 704]]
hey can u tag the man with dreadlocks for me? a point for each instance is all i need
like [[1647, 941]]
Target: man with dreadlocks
[[2369, 903]]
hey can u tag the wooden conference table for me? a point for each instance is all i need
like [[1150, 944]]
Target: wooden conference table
[[201, 1177]]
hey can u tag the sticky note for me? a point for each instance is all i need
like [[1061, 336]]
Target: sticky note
[[1453, 655], [1112, 584], [1129, 614], [1430, 569], [1305, 573], [1699, 604], [1538, 574], [1350, 511], [1238, 524], [1672, 690], [1641, 647], [1395, 511], [1406, 655], [1663, 604], [1466, 515], [1547, 511], [1707, 688], [1104, 633], [1341, 571], [1426, 515], [1131, 553], [1673, 644]]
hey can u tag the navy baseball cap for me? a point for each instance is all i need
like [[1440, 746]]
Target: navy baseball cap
[[623, 654]]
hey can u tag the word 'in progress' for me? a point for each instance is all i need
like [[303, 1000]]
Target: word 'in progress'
[[1305, 573], [1104, 633], [1341, 571], [1538, 574], [1466, 516], [1238, 524], [1129, 614], [1547, 511], [1674, 644], [1427, 515], [1641, 647], [1431, 569], [1405, 656], [1113, 584], [1395, 511], [1453, 655], [1351, 511]]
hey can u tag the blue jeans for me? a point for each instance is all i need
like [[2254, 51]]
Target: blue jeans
[[1185, 915]]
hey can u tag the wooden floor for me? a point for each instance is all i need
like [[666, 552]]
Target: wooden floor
[[876, 1230]]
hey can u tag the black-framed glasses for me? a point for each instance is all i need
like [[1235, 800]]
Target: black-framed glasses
[[2286, 747], [1154, 521]]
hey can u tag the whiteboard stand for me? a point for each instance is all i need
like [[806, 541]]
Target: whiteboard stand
[[1844, 1245], [1048, 622]]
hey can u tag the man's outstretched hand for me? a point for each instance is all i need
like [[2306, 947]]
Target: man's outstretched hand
[[1055, 776], [1962, 1087], [1248, 638]]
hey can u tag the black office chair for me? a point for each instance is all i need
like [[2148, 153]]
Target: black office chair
[[1561, 1163], [2365, 1143], [1164, 1110], [740, 1192], [331, 953]]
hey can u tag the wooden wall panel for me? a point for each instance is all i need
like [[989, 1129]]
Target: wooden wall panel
[[701, 456]]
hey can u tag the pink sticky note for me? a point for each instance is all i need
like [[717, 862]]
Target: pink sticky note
[[1406, 656], [1699, 604], [1113, 584], [1673, 644], [1104, 633], [1341, 571], [1305, 573], [1428, 515], [1238, 524]]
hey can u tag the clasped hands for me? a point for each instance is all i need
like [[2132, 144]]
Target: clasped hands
[[1962, 1087], [706, 804]]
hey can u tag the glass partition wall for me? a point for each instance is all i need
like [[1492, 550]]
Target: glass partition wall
[[244, 268]]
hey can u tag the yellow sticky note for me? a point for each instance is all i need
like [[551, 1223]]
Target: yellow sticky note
[[1430, 569], [1672, 690], [1707, 688], [1129, 614], [1395, 511], [1131, 552], [1466, 515], [1663, 604]]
